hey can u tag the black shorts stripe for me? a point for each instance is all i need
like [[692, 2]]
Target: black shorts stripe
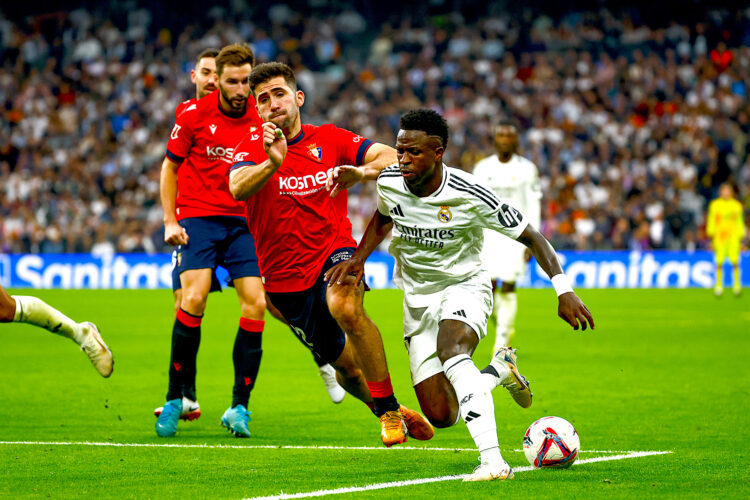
[[491, 203]]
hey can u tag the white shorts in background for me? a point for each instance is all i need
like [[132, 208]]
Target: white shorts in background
[[503, 257], [469, 302]]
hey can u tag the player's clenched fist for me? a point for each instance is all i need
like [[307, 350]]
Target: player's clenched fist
[[274, 143], [175, 234]]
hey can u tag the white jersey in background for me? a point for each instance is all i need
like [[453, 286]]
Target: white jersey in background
[[516, 182], [437, 239]]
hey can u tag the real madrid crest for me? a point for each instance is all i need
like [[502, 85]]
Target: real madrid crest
[[445, 215]]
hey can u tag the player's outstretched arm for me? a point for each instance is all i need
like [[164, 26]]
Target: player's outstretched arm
[[377, 229], [570, 308], [378, 157], [249, 179], [174, 233]]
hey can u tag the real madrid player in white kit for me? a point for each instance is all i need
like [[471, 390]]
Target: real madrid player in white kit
[[437, 215], [516, 180]]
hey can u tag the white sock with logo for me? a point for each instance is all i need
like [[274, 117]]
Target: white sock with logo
[[475, 404], [507, 307], [34, 311]]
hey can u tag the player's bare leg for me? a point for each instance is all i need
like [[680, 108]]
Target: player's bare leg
[[34, 311], [350, 376], [736, 279], [345, 302], [456, 342]]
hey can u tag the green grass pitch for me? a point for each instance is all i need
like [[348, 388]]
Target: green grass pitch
[[664, 370]]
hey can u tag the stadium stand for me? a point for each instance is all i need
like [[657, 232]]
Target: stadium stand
[[633, 121]]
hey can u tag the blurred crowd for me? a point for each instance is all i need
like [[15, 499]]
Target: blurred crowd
[[632, 123]]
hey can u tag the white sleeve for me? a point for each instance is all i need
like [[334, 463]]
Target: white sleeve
[[382, 207], [496, 214], [533, 198]]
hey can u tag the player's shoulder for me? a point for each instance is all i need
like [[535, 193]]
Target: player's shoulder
[[390, 176], [184, 105], [526, 163], [471, 187], [487, 161]]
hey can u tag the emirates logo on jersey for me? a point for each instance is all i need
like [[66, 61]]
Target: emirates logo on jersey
[[445, 215]]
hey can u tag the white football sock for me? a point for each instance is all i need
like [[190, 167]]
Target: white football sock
[[507, 306], [34, 311], [475, 404]]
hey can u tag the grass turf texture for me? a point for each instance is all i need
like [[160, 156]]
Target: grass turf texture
[[664, 370]]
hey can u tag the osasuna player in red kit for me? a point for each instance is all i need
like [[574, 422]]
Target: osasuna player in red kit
[[208, 224], [300, 231], [205, 80]]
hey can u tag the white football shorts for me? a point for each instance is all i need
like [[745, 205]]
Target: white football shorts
[[469, 302], [503, 257]]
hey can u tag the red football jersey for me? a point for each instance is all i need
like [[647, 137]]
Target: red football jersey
[[295, 223], [183, 106], [202, 144]]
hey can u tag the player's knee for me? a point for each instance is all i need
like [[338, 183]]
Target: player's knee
[[448, 350], [441, 416], [254, 308], [193, 302], [7, 310], [345, 309]]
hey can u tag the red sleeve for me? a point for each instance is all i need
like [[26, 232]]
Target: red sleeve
[[181, 137], [250, 150], [351, 148]]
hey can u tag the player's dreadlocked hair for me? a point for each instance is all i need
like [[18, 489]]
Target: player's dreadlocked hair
[[428, 121], [210, 53], [266, 71], [234, 55]]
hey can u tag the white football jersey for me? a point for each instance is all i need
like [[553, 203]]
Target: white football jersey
[[516, 181], [437, 240]]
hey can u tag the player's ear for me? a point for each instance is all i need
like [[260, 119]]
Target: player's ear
[[300, 98], [439, 153], [192, 76]]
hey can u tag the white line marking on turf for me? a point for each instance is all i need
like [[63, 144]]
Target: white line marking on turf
[[398, 484], [262, 446]]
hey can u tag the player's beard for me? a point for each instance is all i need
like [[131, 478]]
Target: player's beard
[[237, 106]]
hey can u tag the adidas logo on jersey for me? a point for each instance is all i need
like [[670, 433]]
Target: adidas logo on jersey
[[460, 312], [397, 211]]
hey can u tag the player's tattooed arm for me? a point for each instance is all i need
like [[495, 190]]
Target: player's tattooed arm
[[174, 233], [249, 179], [377, 229], [570, 307], [378, 157]]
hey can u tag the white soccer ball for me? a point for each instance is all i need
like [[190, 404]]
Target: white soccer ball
[[551, 442]]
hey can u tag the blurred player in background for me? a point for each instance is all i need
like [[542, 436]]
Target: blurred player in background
[[437, 215], [34, 311], [201, 217], [514, 179], [725, 225], [205, 80], [281, 172]]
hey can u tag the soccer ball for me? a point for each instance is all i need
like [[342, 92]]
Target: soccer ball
[[551, 442]]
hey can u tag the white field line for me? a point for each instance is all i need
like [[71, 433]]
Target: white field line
[[265, 446], [398, 484]]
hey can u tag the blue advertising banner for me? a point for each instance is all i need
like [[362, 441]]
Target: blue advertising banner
[[604, 269]]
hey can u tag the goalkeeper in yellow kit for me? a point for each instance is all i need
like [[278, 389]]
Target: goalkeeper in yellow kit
[[725, 225]]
